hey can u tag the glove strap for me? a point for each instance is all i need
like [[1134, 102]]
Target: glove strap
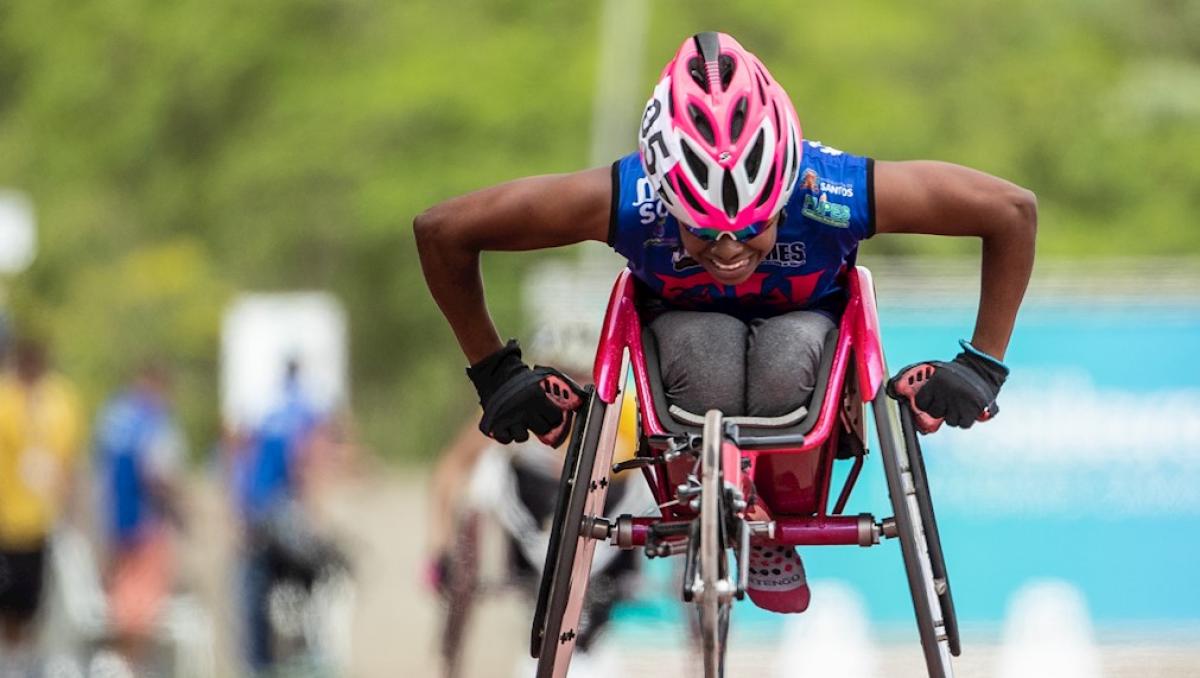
[[970, 348], [489, 374]]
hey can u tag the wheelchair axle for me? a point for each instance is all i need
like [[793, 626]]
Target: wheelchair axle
[[670, 537]]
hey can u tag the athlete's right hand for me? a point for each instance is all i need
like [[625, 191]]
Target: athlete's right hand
[[513, 399]]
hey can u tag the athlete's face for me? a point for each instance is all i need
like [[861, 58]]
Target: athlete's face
[[727, 260]]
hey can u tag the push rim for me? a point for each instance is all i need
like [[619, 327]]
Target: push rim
[[914, 545]]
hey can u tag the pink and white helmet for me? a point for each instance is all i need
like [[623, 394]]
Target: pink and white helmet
[[720, 140]]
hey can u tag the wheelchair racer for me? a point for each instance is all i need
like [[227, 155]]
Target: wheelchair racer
[[738, 229]]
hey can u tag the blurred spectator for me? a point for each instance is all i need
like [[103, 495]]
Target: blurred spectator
[[40, 433], [140, 452], [271, 478], [517, 486], [271, 470]]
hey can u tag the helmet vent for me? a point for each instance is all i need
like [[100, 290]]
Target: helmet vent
[[729, 195], [762, 73], [687, 196], [795, 162], [662, 193], [766, 192], [739, 119], [754, 157], [671, 182], [702, 123], [726, 65], [762, 90], [696, 70], [696, 164]]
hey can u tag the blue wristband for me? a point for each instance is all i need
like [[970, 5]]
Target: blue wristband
[[966, 346]]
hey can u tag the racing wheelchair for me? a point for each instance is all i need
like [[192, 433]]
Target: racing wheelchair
[[723, 483]]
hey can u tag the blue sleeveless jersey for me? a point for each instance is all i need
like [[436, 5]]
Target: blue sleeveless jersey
[[829, 212], [127, 430], [270, 471]]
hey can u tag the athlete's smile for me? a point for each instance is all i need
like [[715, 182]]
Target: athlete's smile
[[732, 268], [730, 261]]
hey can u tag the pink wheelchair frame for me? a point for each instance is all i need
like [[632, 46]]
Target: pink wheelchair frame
[[726, 485]]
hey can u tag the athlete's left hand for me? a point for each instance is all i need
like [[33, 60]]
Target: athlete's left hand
[[961, 391]]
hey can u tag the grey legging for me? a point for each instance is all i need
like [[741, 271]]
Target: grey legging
[[764, 368]]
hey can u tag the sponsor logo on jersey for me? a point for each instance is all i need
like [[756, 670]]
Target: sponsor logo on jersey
[[818, 206], [828, 213], [787, 254], [661, 242], [809, 181], [648, 205], [681, 260], [835, 188]]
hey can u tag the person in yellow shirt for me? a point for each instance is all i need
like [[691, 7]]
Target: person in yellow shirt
[[40, 436]]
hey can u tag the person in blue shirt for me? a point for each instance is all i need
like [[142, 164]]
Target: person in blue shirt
[[738, 230], [272, 467], [270, 486], [140, 451]]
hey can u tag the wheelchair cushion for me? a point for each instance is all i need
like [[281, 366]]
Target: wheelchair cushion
[[797, 422]]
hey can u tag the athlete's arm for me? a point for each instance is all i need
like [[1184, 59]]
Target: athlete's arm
[[526, 214], [939, 198]]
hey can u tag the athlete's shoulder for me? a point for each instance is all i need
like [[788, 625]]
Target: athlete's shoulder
[[835, 188], [631, 164], [633, 194], [833, 161], [636, 208]]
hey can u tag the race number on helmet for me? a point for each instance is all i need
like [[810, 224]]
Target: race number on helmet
[[719, 139]]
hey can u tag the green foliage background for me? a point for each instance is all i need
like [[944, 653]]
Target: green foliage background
[[179, 152]]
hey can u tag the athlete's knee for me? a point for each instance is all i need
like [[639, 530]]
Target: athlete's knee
[[783, 361], [703, 360]]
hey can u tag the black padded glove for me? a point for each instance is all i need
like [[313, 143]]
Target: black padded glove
[[961, 390], [512, 397]]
